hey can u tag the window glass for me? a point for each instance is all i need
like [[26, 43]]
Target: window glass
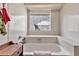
[[40, 22]]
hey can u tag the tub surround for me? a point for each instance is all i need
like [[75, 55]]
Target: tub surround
[[46, 49], [47, 41], [70, 45], [41, 38], [42, 35]]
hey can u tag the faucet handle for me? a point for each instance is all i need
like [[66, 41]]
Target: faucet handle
[[19, 37]]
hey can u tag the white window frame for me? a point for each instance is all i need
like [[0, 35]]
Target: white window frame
[[41, 14]]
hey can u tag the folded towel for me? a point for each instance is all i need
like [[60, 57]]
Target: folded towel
[[42, 53], [28, 53]]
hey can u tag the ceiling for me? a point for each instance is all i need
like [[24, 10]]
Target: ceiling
[[53, 6]]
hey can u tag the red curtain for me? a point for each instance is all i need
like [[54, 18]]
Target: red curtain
[[5, 14]]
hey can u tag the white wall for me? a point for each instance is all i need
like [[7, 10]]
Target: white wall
[[17, 25], [69, 18]]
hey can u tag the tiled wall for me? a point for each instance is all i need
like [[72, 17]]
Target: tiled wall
[[17, 25], [41, 40], [68, 11]]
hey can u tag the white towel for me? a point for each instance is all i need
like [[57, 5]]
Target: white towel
[[28, 53], [42, 53]]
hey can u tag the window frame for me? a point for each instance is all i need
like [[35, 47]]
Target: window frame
[[49, 14]]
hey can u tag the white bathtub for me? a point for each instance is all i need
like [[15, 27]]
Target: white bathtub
[[54, 49]]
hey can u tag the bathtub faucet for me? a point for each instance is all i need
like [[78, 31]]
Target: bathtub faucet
[[22, 39]]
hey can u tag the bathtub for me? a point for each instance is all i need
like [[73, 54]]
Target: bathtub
[[49, 44], [53, 49]]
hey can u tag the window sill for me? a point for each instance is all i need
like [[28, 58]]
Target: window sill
[[42, 35]]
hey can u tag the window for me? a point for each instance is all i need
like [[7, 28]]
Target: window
[[40, 21]]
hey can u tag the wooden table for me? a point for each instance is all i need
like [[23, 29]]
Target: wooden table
[[11, 50]]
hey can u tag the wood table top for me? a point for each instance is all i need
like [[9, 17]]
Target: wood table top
[[9, 49]]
